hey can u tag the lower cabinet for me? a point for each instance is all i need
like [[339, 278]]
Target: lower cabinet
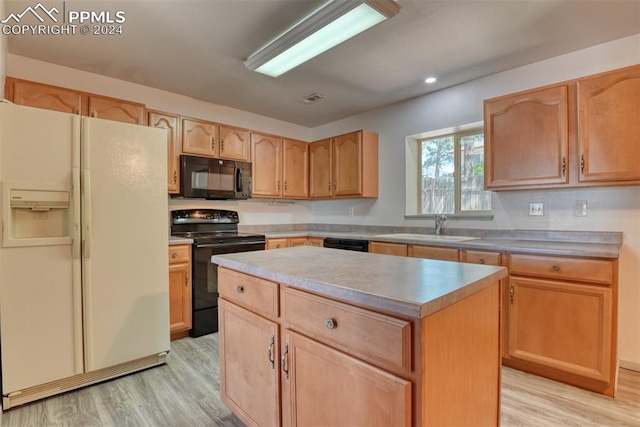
[[562, 319], [249, 365], [294, 241], [432, 252], [180, 290], [399, 249], [353, 393]]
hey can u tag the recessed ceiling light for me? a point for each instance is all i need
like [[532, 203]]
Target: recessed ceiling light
[[430, 80]]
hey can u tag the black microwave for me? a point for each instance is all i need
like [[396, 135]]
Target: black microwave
[[209, 178]]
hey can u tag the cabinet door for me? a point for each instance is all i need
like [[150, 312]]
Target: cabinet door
[[324, 387], [399, 249], [180, 297], [320, 169], [118, 110], [158, 119], [609, 126], [316, 241], [432, 252], [249, 365], [39, 95], [200, 138], [561, 325], [526, 138], [276, 243], [297, 241], [295, 168], [347, 165], [234, 143], [266, 152]]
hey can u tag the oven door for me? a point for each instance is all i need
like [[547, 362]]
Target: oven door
[[205, 282]]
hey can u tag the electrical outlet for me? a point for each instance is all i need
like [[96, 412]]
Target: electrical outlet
[[580, 208], [536, 209], [350, 211]]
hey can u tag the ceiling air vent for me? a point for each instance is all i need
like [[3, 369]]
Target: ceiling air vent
[[312, 98]]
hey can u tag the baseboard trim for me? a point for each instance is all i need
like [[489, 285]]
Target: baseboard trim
[[633, 366]]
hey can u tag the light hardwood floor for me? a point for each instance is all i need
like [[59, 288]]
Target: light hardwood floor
[[185, 392]]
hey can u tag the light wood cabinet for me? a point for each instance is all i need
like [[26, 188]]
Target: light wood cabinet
[[344, 390], [200, 138], [526, 138], [294, 241], [280, 167], [399, 249], [235, 143], [579, 133], [345, 166], [180, 290], [249, 365], [39, 95], [432, 252], [562, 319], [608, 126], [103, 107], [170, 122]]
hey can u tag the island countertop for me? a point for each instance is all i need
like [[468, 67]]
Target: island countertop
[[404, 286]]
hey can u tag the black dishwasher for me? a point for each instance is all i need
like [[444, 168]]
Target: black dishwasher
[[347, 244]]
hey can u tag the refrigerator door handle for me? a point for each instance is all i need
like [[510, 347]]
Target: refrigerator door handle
[[76, 248]]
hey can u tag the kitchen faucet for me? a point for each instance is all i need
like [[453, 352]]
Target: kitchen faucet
[[439, 220]]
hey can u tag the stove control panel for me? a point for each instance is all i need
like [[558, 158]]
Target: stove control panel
[[204, 216]]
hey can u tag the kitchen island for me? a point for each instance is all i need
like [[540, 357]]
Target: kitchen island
[[317, 336]]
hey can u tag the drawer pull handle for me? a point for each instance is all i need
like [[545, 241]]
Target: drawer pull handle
[[283, 362], [270, 352], [240, 289], [555, 268], [174, 255], [331, 324], [481, 261]]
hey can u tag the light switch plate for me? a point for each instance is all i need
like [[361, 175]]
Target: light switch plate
[[536, 209]]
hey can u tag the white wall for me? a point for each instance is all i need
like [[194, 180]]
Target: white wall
[[256, 211], [3, 53], [610, 209]]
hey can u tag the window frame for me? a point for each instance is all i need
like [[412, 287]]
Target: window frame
[[457, 173]]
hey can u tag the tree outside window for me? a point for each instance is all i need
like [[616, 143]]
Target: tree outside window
[[447, 189]]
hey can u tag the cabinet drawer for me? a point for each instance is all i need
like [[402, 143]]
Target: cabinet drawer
[[579, 269], [432, 252], [480, 257], [258, 295], [382, 340], [399, 249], [179, 253]]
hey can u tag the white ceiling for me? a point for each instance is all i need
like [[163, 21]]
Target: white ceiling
[[197, 48]]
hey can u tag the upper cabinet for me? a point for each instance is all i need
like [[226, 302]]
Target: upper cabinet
[[580, 133], [200, 138], [234, 143], [65, 100], [280, 167], [170, 122], [609, 126], [526, 138], [352, 169], [38, 95], [103, 107]]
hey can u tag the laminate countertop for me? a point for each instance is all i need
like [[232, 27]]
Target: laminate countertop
[[505, 242], [403, 286]]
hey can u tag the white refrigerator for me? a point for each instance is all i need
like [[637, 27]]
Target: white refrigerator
[[84, 257]]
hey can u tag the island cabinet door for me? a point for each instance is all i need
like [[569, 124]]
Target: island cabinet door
[[324, 387], [249, 365]]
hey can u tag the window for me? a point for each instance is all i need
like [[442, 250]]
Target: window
[[452, 174]]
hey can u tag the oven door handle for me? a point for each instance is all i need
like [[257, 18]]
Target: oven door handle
[[229, 245]]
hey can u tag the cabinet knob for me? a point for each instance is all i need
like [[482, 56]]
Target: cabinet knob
[[240, 289], [174, 255], [222, 144], [175, 176], [481, 261], [331, 323], [555, 268]]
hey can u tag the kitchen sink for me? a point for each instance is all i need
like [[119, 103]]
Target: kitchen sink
[[427, 237]]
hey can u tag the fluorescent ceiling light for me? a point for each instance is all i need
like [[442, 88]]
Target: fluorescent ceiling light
[[328, 26], [430, 80]]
